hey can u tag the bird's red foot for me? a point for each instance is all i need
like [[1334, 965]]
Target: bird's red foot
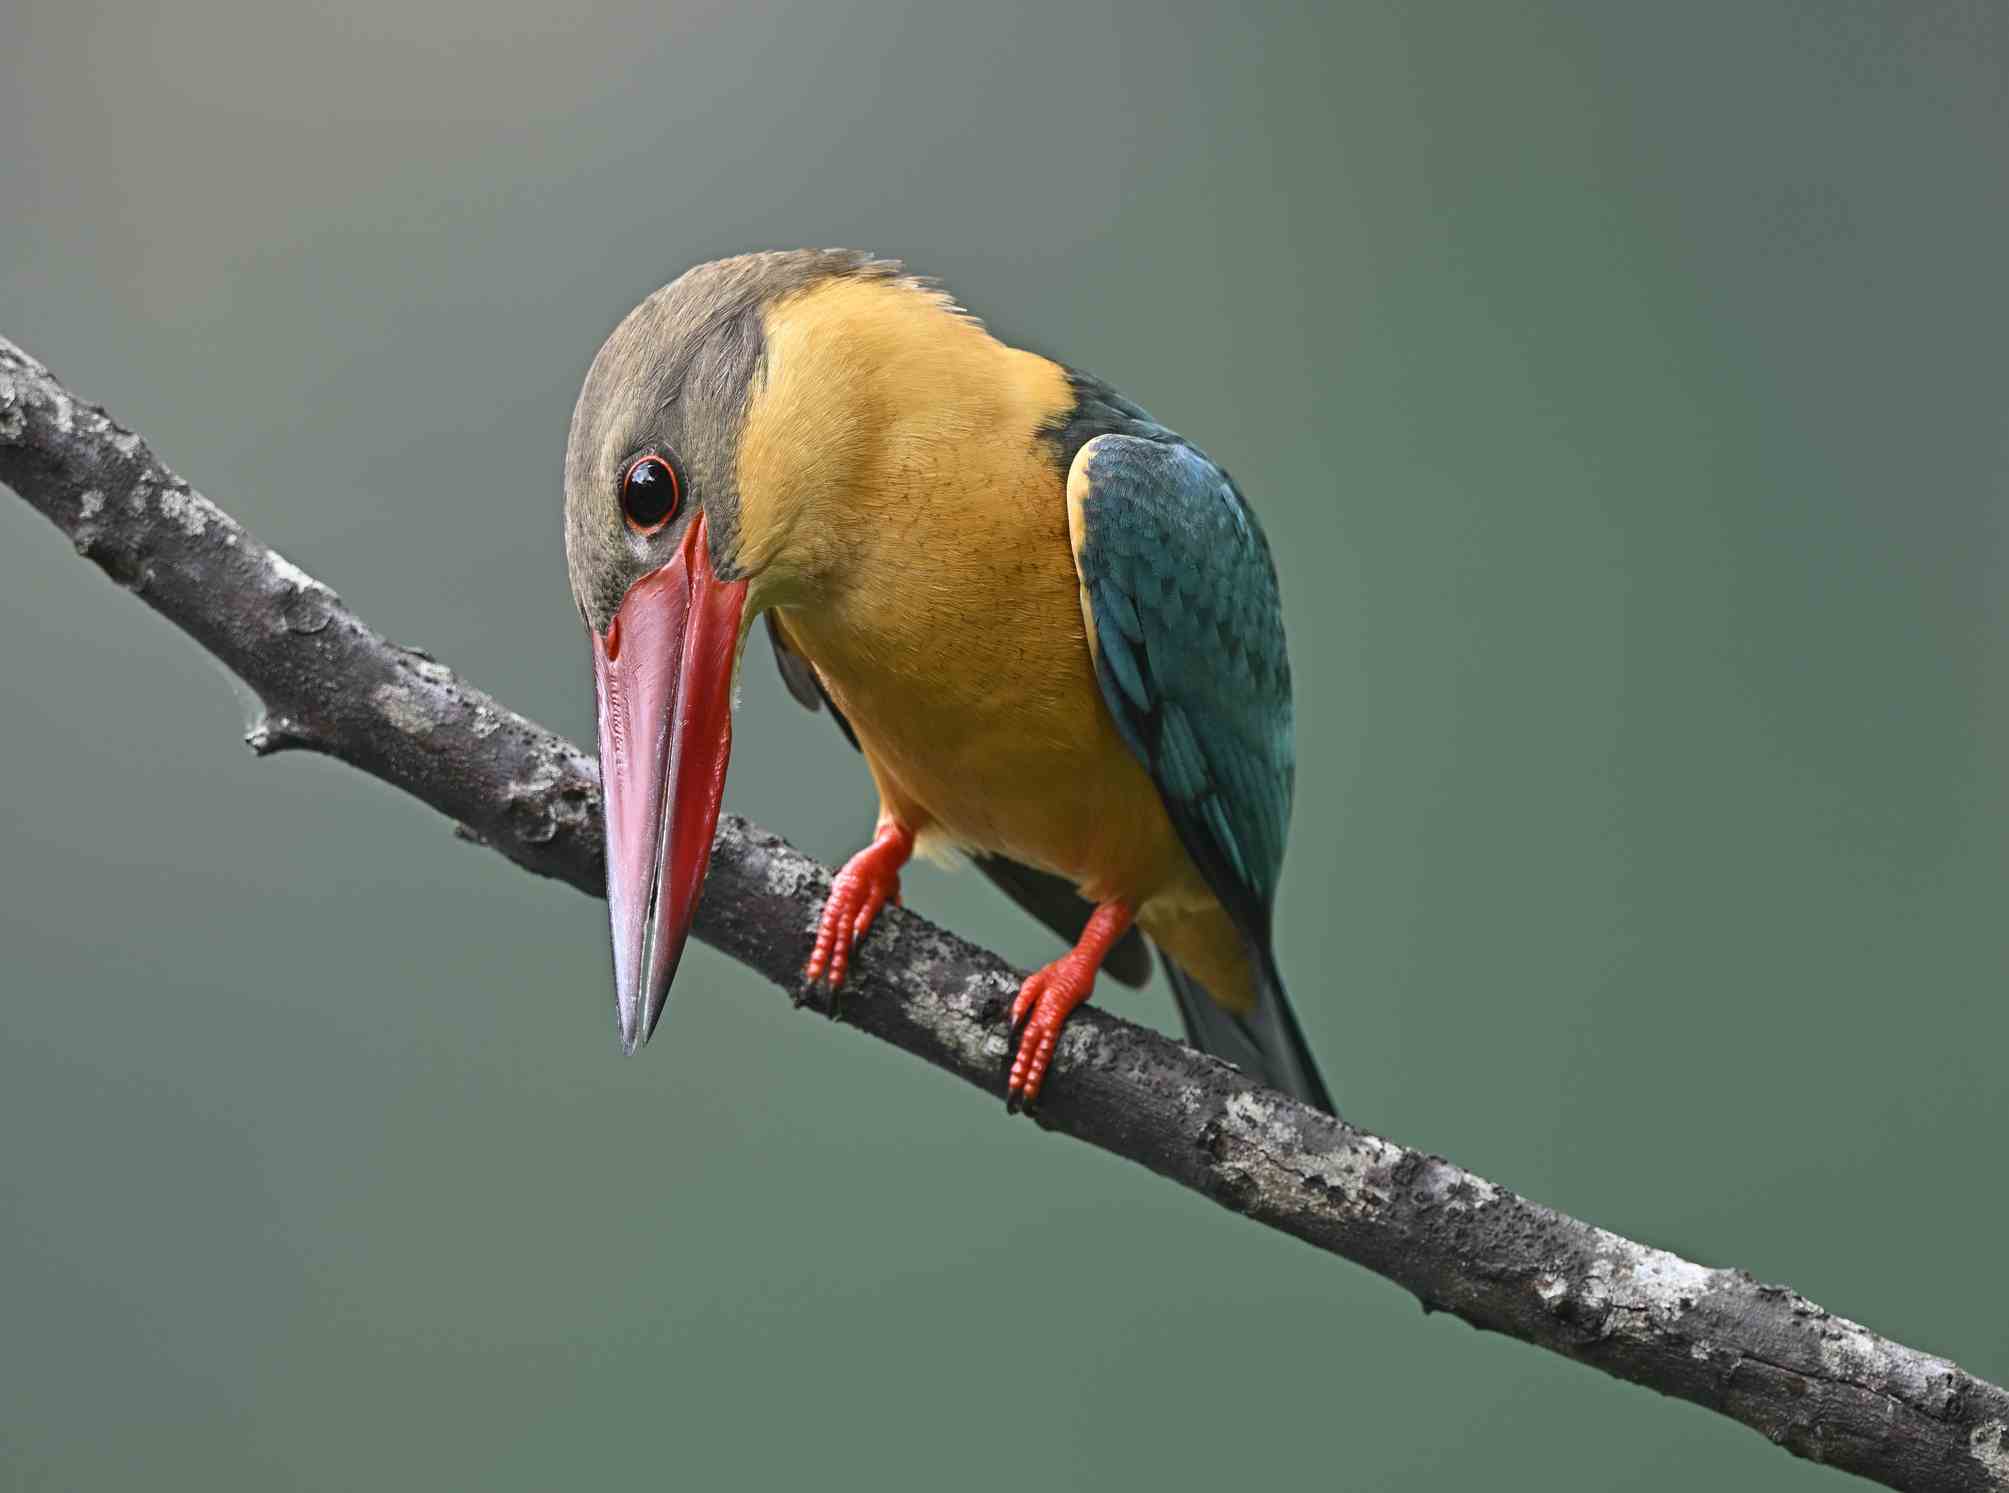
[[869, 880], [1048, 997]]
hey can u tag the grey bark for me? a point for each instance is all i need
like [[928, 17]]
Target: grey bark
[[1823, 1387]]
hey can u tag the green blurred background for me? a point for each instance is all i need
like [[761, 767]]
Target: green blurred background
[[1623, 386]]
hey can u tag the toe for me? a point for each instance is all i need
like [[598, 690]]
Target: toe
[[840, 956], [833, 937], [1028, 1068], [1028, 996], [874, 900]]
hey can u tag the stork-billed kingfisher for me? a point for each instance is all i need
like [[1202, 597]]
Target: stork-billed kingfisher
[[1050, 624]]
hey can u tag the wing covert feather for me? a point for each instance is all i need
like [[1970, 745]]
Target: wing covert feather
[[1181, 597]]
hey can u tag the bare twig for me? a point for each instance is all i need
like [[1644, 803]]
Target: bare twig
[[1819, 1385]]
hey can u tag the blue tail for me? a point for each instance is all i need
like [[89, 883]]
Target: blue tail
[[1266, 1044]]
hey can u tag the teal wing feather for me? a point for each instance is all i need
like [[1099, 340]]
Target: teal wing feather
[[1190, 654]]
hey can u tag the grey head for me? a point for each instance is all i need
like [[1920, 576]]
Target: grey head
[[675, 378]]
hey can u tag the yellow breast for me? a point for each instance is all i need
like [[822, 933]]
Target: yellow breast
[[920, 560]]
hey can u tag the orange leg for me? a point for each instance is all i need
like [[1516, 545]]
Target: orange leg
[[1050, 995], [869, 880]]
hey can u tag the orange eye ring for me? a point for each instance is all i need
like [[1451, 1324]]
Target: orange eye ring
[[651, 492]]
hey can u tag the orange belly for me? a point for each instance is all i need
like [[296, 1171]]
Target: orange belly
[[997, 739], [994, 737]]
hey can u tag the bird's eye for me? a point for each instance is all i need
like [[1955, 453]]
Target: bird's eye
[[650, 493]]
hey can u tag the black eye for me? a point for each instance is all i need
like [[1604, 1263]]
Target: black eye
[[650, 493]]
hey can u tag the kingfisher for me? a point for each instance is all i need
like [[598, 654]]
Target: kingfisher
[[1048, 623]]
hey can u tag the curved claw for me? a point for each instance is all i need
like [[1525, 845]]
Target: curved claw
[[869, 880]]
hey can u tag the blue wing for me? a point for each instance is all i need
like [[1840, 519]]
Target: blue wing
[[1181, 595]]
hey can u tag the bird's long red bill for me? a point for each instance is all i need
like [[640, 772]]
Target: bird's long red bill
[[664, 677]]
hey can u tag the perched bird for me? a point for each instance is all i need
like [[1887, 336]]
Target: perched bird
[[1050, 625]]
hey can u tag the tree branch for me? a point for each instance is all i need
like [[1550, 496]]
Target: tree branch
[[1819, 1385]]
